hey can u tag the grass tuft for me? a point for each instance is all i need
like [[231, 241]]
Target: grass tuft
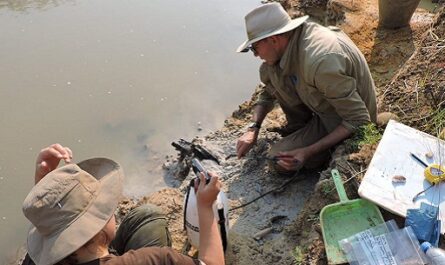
[[366, 134]]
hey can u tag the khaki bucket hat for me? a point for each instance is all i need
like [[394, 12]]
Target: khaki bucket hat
[[268, 20], [69, 206]]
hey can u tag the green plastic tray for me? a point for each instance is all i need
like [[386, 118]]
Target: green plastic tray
[[344, 219]]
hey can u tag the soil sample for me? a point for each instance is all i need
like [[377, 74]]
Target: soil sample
[[396, 13]]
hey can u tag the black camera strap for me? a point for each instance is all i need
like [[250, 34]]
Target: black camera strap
[[222, 227], [192, 184]]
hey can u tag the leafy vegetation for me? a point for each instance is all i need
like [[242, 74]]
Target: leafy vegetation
[[366, 134], [298, 255], [438, 123]]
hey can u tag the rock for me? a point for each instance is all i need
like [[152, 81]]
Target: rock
[[398, 179], [384, 117], [262, 233]]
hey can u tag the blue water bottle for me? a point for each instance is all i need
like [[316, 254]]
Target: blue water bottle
[[435, 255]]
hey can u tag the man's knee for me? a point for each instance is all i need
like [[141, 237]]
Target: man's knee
[[143, 226], [144, 212]]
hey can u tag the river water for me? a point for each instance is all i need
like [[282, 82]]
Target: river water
[[120, 79]]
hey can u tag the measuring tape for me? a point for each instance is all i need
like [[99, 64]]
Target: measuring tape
[[434, 173]]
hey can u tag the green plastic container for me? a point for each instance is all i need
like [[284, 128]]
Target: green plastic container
[[344, 219]]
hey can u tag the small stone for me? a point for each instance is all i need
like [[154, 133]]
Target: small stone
[[384, 117], [398, 179], [429, 155]]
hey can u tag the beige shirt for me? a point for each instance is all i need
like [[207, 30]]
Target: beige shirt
[[323, 71]]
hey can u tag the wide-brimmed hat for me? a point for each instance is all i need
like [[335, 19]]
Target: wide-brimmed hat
[[69, 206], [268, 20]]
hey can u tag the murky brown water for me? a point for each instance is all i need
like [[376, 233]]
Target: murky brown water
[[120, 79], [429, 5]]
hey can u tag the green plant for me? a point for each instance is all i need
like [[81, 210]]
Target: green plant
[[298, 254], [366, 134], [438, 121], [326, 188], [313, 218]]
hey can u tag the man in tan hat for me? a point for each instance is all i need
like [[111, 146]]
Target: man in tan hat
[[319, 78], [71, 210]]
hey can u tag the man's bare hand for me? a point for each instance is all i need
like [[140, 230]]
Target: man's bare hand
[[293, 160], [246, 142], [49, 158], [207, 193]]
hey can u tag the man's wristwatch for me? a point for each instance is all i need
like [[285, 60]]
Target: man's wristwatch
[[254, 125]]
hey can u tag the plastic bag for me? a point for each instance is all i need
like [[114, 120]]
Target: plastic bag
[[384, 244], [424, 223]]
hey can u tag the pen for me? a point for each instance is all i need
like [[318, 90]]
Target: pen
[[419, 160]]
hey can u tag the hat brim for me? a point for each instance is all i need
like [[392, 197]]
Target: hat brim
[[294, 23], [45, 250]]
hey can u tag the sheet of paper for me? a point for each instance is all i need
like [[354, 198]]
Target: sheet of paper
[[392, 158]]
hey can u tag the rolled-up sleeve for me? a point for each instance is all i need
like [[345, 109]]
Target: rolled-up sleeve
[[265, 98], [339, 88]]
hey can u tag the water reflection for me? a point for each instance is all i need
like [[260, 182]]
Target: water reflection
[[24, 5], [113, 78]]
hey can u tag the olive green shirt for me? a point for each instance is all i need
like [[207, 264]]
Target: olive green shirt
[[323, 71]]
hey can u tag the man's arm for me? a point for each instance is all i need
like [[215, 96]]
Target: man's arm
[[302, 154], [246, 142], [340, 90], [210, 245], [48, 159]]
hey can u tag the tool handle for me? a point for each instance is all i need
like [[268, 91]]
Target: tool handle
[[339, 185]]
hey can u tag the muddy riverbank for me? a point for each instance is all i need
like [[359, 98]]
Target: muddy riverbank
[[407, 64]]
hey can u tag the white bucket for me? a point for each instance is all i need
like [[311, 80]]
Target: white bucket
[[191, 216]]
